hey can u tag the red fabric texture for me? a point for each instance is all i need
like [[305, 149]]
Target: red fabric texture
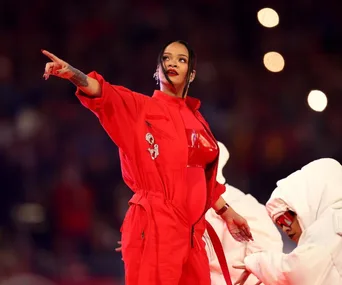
[[202, 150], [160, 245]]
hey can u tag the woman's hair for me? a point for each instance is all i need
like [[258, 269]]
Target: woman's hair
[[191, 63]]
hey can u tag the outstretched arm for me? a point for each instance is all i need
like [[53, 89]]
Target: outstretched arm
[[306, 264], [116, 107], [59, 68]]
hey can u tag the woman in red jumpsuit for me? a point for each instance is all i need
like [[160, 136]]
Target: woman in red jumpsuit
[[169, 159]]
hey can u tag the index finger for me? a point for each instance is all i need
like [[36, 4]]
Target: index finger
[[50, 55], [239, 266]]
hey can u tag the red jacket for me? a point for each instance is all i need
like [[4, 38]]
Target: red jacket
[[159, 184], [127, 117]]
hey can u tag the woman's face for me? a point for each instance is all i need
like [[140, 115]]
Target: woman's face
[[175, 60], [288, 222]]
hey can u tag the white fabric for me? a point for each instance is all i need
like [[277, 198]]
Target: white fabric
[[266, 235], [315, 194], [223, 158]]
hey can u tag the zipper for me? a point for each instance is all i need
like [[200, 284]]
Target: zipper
[[206, 198], [193, 225], [158, 130], [192, 232]]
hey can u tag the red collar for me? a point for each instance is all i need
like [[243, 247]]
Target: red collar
[[191, 102]]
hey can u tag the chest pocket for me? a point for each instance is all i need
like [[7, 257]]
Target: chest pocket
[[161, 138], [160, 126]]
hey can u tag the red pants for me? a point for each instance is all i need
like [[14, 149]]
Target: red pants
[[157, 247]]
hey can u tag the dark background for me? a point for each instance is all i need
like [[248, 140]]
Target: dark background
[[62, 199]]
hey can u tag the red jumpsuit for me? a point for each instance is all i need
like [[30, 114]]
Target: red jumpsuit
[[161, 236]]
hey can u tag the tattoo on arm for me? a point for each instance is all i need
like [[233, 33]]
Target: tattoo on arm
[[79, 78]]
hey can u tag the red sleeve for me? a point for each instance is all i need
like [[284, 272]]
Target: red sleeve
[[117, 109], [218, 190]]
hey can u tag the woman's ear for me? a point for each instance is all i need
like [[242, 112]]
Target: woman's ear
[[192, 76]]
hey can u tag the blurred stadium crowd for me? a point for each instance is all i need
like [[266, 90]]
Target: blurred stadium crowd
[[62, 199]]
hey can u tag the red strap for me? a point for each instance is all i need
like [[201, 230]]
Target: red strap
[[219, 252]]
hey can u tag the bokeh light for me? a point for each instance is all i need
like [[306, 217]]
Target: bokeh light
[[274, 61], [268, 17], [317, 100]]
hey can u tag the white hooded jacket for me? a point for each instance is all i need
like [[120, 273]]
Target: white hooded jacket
[[265, 233], [315, 194]]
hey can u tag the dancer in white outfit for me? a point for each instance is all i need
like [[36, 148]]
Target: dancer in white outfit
[[265, 233], [307, 205]]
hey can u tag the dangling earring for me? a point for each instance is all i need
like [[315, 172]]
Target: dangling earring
[[155, 76]]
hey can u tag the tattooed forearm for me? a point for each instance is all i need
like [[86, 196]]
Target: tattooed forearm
[[79, 78], [87, 86]]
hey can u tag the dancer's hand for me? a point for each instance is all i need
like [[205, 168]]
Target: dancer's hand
[[244, 275], [57, 67], [119, 248], [237, 225]]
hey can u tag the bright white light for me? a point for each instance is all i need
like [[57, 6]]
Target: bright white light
[[274, 61], [317, 100], [268, 17]]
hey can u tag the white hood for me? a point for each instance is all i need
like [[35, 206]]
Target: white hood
[[308, 191], [223, 159]]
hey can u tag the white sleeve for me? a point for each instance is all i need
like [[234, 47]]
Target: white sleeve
[[267, 266], [307, 264]]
